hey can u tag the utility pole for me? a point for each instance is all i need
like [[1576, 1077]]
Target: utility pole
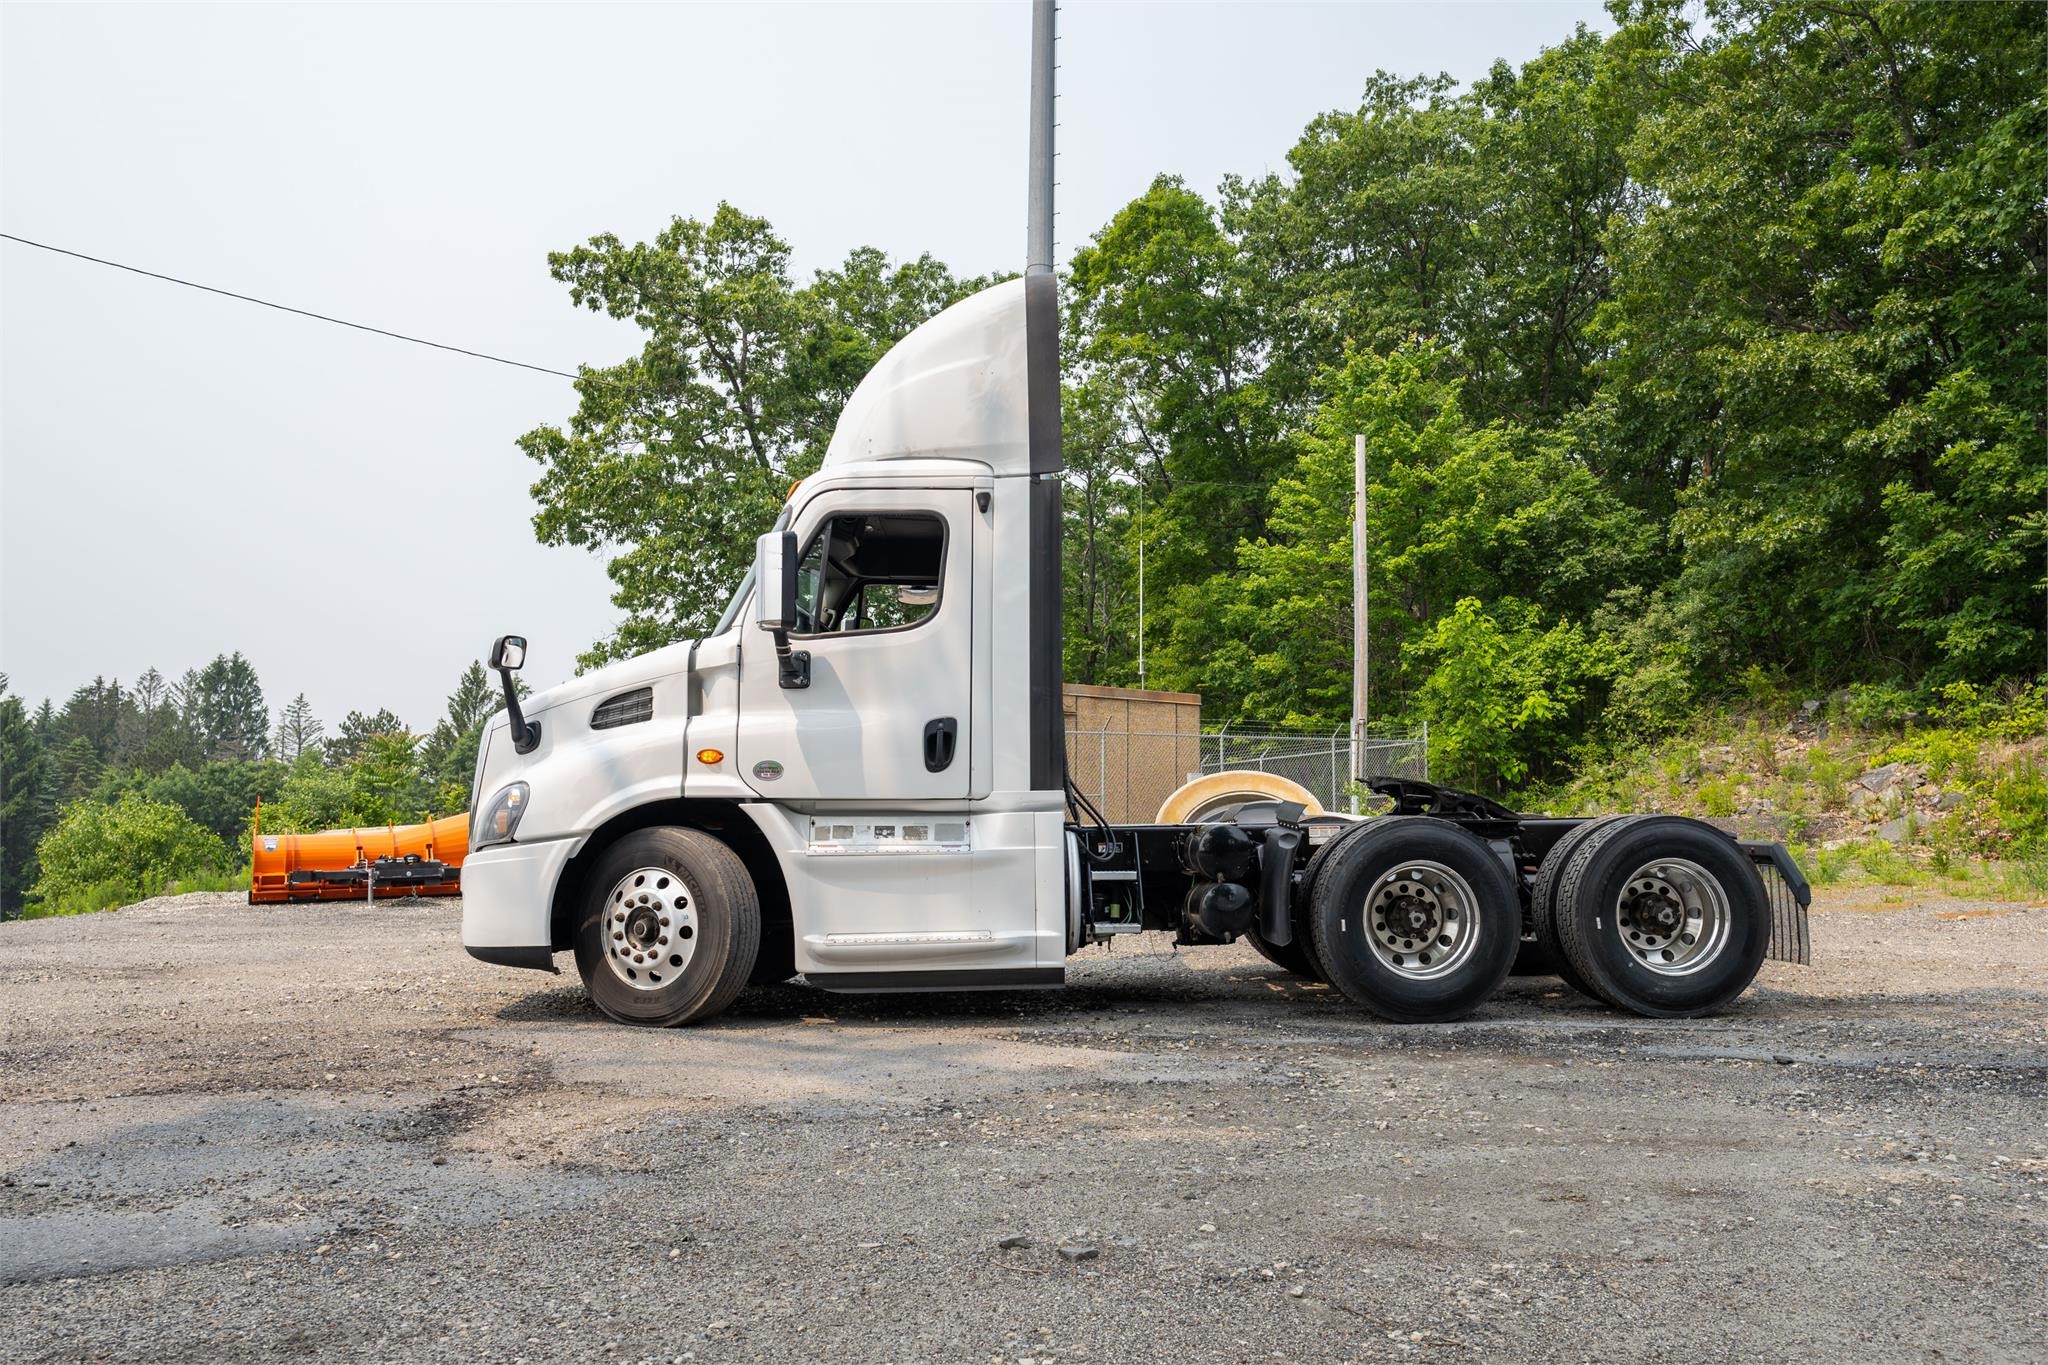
[[1038, 233], [1141, 581], [1360, 666]]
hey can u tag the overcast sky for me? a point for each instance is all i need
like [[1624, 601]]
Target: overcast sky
[[182, 475]]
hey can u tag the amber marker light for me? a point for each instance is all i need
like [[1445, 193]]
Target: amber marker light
[[711, 757]]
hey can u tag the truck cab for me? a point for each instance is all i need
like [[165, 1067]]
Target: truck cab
[[884, 761]]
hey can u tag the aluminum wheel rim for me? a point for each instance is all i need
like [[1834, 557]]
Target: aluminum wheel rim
[[1421, 920], [650, 929], [1673, 916]]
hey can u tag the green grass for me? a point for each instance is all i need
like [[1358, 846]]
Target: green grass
[[114, 894]]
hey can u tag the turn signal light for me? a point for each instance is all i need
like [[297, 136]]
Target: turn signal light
[[711, 757]]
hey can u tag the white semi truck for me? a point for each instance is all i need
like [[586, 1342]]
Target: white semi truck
[[858, 775]]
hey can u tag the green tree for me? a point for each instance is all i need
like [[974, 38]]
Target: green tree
[[298, 729], [1456, 510], [233, 719], [158, 736], [26, 800], [77, 769], [1167, 343], [313, 796], [1826, 331], [387, 785], [215, 796], [98, 714], [106, 854], [1507, 702], [676, 458], [448, 756], [355, 732]]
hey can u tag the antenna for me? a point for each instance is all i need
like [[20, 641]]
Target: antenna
[[1038, 238]]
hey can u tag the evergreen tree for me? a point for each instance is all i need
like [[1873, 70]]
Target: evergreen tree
[[356, 731], [298, 729], [234, 721], [26, 805]]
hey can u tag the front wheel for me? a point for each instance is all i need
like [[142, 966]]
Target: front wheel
[[1662, 916], [669, 927], [1415, 919]]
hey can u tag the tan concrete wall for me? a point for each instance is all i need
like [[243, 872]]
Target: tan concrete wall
[[1128, 749]]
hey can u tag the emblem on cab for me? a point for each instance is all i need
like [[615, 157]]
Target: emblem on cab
[[767, 770]]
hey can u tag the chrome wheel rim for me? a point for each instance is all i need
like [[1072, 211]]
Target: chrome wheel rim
[[1421, 920], [1672, 915], [650, 928]]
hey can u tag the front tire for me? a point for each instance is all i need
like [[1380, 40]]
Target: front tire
[[1662, 916], [1416, 920], [669, 928]]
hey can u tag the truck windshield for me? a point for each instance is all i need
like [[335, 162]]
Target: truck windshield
[[739, 594]]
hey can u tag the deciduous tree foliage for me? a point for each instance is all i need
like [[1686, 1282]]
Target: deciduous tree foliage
[[1712, 348], [678, 457]]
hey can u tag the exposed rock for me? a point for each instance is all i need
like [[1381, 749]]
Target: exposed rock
[[1016, 1241], [1079, 1251]]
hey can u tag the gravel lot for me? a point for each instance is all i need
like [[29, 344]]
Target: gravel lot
[[259, 1133]]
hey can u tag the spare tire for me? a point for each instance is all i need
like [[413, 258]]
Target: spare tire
[[1662, 915], [1415, 919]]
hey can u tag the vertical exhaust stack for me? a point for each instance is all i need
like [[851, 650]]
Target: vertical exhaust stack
[[1042, 367], [1038, 242]]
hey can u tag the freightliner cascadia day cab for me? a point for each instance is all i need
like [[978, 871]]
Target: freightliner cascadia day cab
[[858, 775]]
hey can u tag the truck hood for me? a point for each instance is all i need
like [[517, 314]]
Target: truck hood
[[602, 682]]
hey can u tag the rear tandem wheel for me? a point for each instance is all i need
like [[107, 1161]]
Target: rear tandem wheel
[[1662, 915], [1415, 919]]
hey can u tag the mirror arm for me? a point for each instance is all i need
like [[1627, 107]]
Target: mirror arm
[[525, 733], [793, 665]]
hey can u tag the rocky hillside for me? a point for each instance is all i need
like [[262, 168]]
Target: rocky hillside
[[1958, 794]]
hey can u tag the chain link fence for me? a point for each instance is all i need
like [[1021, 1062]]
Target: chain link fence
[[1130, 773]]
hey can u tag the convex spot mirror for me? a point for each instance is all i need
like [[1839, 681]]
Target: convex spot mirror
[[775, 579], [509, 653], [921, 595]]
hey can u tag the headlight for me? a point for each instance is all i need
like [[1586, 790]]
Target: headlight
[[500, 819]]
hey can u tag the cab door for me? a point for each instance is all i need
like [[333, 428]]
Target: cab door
[[885, 593]]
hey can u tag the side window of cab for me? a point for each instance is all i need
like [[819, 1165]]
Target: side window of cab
[[870, 571]]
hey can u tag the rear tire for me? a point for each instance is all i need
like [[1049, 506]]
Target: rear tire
[[1543, 907], [1662, 916], [668, 929], [1415, 919], [1297, 957]]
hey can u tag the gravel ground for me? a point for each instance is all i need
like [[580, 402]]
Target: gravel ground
[[261, 1133]]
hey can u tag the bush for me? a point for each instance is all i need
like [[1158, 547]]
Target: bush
[[99, 854], [1879, 706], [1717, 798]]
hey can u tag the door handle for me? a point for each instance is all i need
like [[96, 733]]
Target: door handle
[[941, 737]]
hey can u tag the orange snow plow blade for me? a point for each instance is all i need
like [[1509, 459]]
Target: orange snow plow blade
[[356, 864]]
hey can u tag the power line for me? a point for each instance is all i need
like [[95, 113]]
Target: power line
[[286, 308]]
